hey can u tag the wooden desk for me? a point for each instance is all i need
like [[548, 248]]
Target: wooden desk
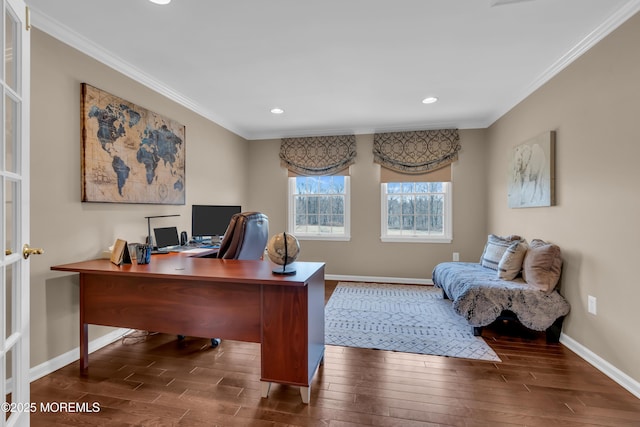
[[204, 297]]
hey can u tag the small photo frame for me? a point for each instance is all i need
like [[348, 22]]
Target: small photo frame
[[120, 254]]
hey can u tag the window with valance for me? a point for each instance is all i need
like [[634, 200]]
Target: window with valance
[[318, 155], [417, 155], [415, 182], [319, 185]]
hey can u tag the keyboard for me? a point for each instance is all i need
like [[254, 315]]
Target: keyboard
[[186, 248], [166, 249]]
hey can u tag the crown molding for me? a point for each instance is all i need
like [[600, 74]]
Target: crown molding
[[366, 130], [493, 3], [63, 33]]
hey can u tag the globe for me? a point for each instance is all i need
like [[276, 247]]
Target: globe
[[283, 249]]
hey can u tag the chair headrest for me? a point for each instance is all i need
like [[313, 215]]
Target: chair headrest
[[246, 236]]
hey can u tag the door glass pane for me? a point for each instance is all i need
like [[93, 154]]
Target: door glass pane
[[10, 293], [11, 192], [9, 371], [10, 49], [11, 134]]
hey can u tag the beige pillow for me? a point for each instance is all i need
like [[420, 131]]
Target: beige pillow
[[510, 264], [494, 249], [542, 265]]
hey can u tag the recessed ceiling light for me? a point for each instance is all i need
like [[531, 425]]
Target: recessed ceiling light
[[429, 100], [160, 1], [277, 110]]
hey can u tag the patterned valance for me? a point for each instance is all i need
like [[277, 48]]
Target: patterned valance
[[318, 155], [416, 152]]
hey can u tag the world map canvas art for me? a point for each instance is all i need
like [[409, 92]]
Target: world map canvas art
[[129, 154]]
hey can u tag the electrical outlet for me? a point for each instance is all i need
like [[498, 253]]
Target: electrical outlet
[[456, 256], [591, 304]]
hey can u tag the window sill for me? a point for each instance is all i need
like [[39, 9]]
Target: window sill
[[388, 239], [326, 238]]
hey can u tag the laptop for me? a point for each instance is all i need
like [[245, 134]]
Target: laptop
[[167, 240]]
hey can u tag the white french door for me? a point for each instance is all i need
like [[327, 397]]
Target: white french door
[[14, 215]]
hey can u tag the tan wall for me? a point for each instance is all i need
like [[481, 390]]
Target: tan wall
[[365, 255], [593, 105], [72, 231]]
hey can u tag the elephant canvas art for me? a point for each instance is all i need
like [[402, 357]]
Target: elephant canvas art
[[531, 172]]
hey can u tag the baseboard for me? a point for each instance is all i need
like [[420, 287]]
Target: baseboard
[[376, 279], [72, 355], [602, 365]]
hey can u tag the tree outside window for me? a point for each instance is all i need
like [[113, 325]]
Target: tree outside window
[[319, 207], [416, 211]]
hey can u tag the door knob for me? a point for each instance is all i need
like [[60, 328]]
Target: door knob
[[27, 251]]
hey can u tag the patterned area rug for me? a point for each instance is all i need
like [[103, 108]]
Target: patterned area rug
[[406, 318]]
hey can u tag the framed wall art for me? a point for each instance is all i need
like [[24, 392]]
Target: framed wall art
[[532, 172], [129, 154]]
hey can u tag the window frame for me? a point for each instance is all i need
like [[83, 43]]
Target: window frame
[[291, 217], [447, 235]]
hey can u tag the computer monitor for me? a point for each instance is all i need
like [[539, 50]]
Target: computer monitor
[[211, 220], [166, 237]]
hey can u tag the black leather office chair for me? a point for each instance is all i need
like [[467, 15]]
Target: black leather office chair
[[245, 239]]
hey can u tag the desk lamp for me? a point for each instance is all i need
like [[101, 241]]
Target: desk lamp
[[149, 239]]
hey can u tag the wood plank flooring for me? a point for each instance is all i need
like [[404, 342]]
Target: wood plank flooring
[[160, 381]]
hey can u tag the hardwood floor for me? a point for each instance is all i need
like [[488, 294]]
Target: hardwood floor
[[160, 381]]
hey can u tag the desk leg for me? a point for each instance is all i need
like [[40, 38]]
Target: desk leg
[[84, 347], [84, 330], [265, 386], [305, 393]]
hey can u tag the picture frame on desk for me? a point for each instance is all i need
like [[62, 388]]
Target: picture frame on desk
[[120, 253]]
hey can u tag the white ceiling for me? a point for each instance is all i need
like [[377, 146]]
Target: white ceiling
[[336, 66]]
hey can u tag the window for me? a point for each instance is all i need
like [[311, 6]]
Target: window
[[319, 207], [416, 212]]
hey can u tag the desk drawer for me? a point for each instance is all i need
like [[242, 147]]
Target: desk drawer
[[195, 308]]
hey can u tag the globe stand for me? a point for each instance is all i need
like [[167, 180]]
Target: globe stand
[[286, 268]]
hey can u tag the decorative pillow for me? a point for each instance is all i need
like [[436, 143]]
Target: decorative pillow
[[542, 265], [510, 264], [495, 248]]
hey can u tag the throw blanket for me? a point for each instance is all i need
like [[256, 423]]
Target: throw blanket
[[479, 296]]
